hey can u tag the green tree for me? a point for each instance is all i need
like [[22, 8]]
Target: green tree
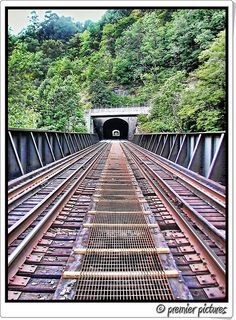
[[170, 59], [57, 28], [165, 106], [203, 105], [60, 100], [12, 41], [23, 72], [114, 15], [53, 49]]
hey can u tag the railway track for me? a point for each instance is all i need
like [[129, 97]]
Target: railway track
[[201, 242], [25, 188], [39, 203], [124, 227], [23, 232], [205, 207]]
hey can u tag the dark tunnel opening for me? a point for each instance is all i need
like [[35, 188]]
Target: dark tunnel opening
[[115, 129]]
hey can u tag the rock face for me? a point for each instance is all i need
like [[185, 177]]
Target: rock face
[[120, 91]]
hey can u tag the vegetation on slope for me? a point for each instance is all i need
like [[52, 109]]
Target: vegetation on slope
[[170, 59]]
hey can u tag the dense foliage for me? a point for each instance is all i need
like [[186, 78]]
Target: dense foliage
[[170, 59]]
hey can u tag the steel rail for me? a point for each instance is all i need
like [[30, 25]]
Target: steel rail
[[18, 256], [216, 198], [36, 180], [218, 236], [31, 187], [21, 225], [214, 263], [135, 267], [177, 169], [200, 180], [217, 186]]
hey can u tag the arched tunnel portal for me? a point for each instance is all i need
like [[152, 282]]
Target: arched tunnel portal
[[115, 124]]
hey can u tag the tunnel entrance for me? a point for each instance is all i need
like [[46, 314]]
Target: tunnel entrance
[[112, 126]]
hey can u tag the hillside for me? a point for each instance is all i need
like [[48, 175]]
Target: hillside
[[170, 59]]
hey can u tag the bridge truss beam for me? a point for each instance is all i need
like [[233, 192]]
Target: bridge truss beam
[[202, 153], [29, 150]]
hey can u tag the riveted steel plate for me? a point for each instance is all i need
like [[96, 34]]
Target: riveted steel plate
[[198, 294], [178, 234], [65, 212], [63, 217], [192, 257], [19, 281], [13, 295], [50, 234], [186, 249], [166, 216], [173, 234], [35, 258], [45, 242], [182, 241], [198, 267], [58, 222], [163, 214], [41, 249], [215, 293], [170, 221], [27, 268], [206, 279]]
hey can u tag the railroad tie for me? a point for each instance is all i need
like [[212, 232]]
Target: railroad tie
[[122, 250], [121, 260], [124, 225], [112, 274]]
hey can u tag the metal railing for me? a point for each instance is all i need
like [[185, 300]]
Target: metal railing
[[203, 153], [29, 150]]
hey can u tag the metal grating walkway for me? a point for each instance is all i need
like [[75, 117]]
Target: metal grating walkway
[[121, 261]]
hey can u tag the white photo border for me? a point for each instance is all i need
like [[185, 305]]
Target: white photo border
[[115, 310]]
